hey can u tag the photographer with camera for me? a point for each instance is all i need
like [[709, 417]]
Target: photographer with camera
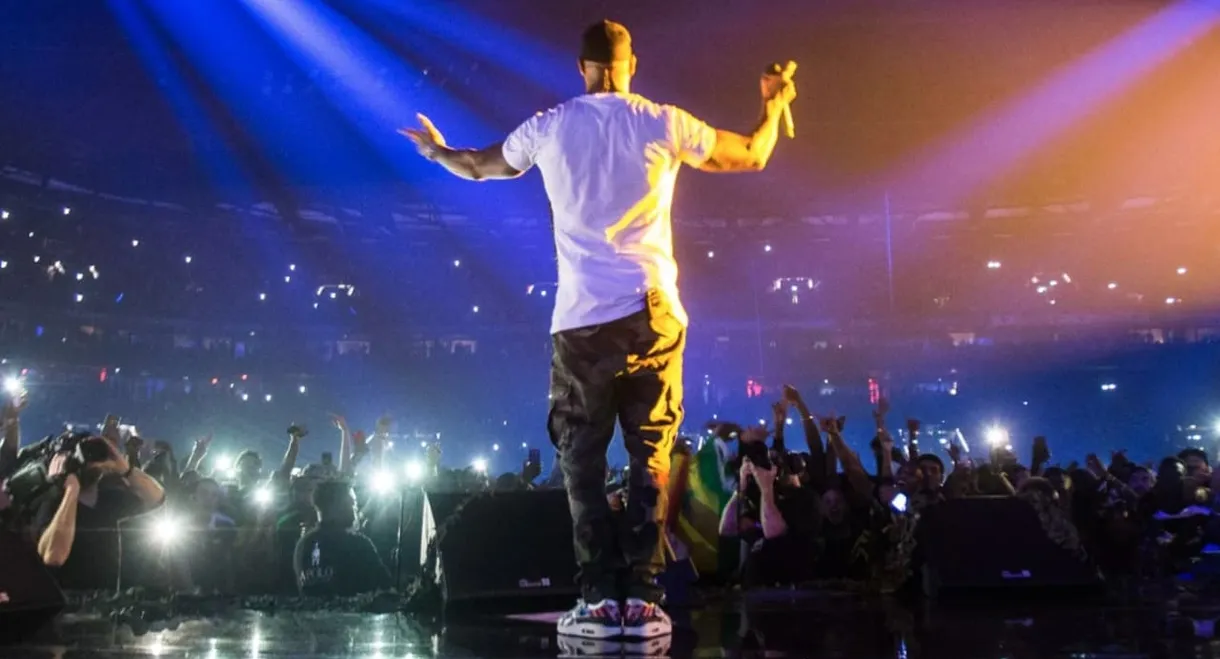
[[77, 520], [772, 514]]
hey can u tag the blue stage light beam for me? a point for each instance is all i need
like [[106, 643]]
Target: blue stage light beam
[[223, 169], [296, 136], [541, 64], [995, 143], [368, 85]]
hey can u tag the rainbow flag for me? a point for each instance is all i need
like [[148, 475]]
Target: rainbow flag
[[706, 494]]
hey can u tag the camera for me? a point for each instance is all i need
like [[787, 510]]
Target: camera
[[28, 477]]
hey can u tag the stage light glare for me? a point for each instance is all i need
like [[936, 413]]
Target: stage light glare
[[263, 497], [996, 436], [13, 386], [382, 482], [167, 530]]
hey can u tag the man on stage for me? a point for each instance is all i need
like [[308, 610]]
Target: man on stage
[[609, 161]]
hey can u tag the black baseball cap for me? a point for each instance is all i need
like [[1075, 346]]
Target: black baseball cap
[[605, 42]]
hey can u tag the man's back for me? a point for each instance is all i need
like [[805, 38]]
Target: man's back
[[338, 562], [609, 162]]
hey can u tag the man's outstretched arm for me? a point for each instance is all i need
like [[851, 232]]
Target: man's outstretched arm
[[476, 164], [470, 164]]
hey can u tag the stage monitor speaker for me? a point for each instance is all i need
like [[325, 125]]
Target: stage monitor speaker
[[29, 596], [507, 545], [995, 543]]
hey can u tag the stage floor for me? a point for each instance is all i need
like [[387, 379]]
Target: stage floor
[[768, 625]]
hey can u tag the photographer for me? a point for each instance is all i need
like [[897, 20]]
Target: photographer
[[773, 514], [77, 522]]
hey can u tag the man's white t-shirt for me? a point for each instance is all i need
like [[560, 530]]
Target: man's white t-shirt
[[609, 162]]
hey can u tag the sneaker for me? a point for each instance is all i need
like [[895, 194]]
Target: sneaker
[[601, 620], [645, 620], [572, 647]]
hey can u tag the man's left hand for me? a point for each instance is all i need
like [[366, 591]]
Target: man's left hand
[[427, 139]]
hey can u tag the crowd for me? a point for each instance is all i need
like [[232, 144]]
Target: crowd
[[106, 508]]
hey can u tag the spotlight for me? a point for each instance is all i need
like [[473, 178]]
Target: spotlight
[[262, 297], [263, 496], [382, 482], [3, 265], [415, 471], [67, 211], [480, 465], [302, 389], [292, 268], [80, 298], [1112, 285], [135, 243], [287, 279], [1181, 271], [993, 265], [766, 248], [167, 530], [13, 386], [4, 215], [475, 309], [711, 254], [245, 397], [267, 398], [996, 436], [457, 263], [223, 463]]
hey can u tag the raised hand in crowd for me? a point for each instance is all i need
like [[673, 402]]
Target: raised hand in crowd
[[530, 471], [1095, 467], [1041, 456], [880, 412], [199, 451], [10, 428], [132, 448], [955, 454], [111, 432]]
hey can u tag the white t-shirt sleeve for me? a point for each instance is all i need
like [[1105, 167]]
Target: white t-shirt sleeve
[[523, 144], [693, 139]]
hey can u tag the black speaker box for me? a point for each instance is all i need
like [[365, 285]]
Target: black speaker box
[[509, 545], [995, 543], [29, 596]]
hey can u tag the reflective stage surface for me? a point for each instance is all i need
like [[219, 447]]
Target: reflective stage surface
[[761, 625]]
